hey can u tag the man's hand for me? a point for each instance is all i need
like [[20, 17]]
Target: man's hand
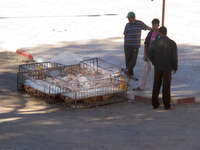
[[149, 28], [173, 71]]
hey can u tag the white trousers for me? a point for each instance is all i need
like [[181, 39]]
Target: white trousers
[[148, 67]]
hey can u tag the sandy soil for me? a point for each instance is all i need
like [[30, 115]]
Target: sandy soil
[[28, 123]]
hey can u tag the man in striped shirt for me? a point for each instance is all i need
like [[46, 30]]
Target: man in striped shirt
[[132, 39]]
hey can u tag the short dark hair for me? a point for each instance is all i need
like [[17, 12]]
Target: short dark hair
[[163, 30], [155, 21]]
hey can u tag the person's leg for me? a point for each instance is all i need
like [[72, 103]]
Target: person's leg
[[156, 87], [166, 89], [134, 54], [147, 70], [128, 58], [126, 55]]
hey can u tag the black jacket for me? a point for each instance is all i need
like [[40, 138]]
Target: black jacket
[[148, 40], [163, 54]]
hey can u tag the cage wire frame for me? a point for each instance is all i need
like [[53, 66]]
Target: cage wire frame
[[109, 84], [99, 64], [24, 69]]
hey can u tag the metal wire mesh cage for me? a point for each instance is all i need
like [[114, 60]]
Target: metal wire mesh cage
[[98, 87], [25, 69], [100, 65], [93, 77], [37, 66], [76, 83]]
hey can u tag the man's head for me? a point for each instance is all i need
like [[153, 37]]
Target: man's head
[[155, 24], [162, 31], [131, 17]]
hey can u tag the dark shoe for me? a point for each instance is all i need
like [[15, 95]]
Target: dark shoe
[[137, 89], [156, 107], [130, 76], [133, 78], [167, 107]]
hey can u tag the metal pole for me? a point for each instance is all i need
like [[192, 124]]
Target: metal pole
[[163, 13]]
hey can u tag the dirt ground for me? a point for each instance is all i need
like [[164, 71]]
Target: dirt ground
[[28, 123]]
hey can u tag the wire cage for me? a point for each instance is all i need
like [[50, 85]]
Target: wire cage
[[37, 66], [92, 92], [88, 82], [100, 65], [27, 69]]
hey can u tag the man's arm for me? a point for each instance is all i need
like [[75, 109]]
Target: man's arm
[[152, 51], [145, 27], [150, 54], [147, 39], [145, 55], [149, 28], [174, 56], [146, 45], [125, 30]]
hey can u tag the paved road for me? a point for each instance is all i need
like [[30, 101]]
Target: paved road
[[29, 124]]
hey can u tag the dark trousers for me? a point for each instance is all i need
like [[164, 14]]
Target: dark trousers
[[161, 78], [131, 54]]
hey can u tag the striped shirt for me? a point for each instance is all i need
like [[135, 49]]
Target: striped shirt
[[132, 33]]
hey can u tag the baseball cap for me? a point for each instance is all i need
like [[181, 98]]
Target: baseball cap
[[131, 14]]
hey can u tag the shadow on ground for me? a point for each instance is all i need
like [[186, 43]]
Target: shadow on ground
[[28, 123]]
